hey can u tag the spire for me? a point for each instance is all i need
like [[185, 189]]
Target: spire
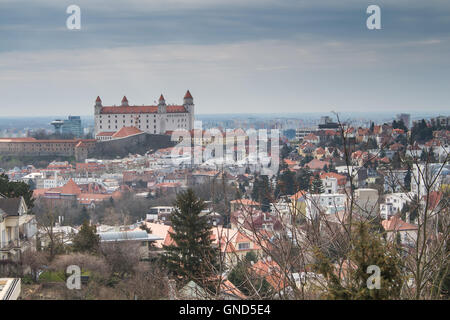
[[188, 101], [98, 102], [188, 95], [162, 105], [124, 101]]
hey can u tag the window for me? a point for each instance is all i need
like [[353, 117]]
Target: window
[[244, 246]]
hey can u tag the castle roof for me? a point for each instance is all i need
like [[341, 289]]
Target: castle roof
[[188, 95], [141, 109]]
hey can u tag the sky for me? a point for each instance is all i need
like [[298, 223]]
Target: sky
[[235, 56]]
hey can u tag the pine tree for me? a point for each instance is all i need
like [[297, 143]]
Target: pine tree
[[84, 216], [368, 249], [317, 185], [407, 179], [191, 256], [303, 179], [86, 240], [12, 189]]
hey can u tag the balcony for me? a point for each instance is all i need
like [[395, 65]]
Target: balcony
[[8, 245]]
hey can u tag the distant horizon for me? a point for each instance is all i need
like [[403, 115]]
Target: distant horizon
[[412, 113]]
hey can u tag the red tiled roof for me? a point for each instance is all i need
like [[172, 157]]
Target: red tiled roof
[[270, 270], [339, 177], [70, 188], [311, 136], [435, 199], [105, 134], [126, 131], [396, 224], [98, 99], [141, 109], [188, 95], [298, 195], [317, 164]]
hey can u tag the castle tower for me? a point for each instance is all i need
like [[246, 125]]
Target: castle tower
[[188, 103], [98, 105], [162, 105], [124, 102], [162, 109]]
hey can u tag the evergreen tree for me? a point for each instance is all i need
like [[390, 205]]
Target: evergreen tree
[[285, 150], [407, 180], [87, 239], [368, 248], [303, 179], [262, 192], [84, 216], [11, 189], [191, 256], [246, 280], [396, 161], [317, 185], [286, 183]]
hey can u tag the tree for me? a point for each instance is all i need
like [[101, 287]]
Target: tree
[[349, 279], [246, 280], [86, 240], [12, 189], [317, 185], [261, 192], [191, 256], [286, 182], [303, 178], [285, 150], [396, 161], [407, 179], [421, 132], [82, 217]]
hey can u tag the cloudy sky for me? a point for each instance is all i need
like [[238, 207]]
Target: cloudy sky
[[250, 56]]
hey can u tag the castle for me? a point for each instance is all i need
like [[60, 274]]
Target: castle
[[159, 119]]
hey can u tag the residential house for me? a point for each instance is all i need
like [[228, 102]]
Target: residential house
[[18, 228]]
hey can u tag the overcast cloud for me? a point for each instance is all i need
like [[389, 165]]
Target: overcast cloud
[[235, 56]]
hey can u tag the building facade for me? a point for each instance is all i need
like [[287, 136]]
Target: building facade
[[153, 119], [29, 146]]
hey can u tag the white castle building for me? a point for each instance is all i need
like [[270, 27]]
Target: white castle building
[[151, 119]]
